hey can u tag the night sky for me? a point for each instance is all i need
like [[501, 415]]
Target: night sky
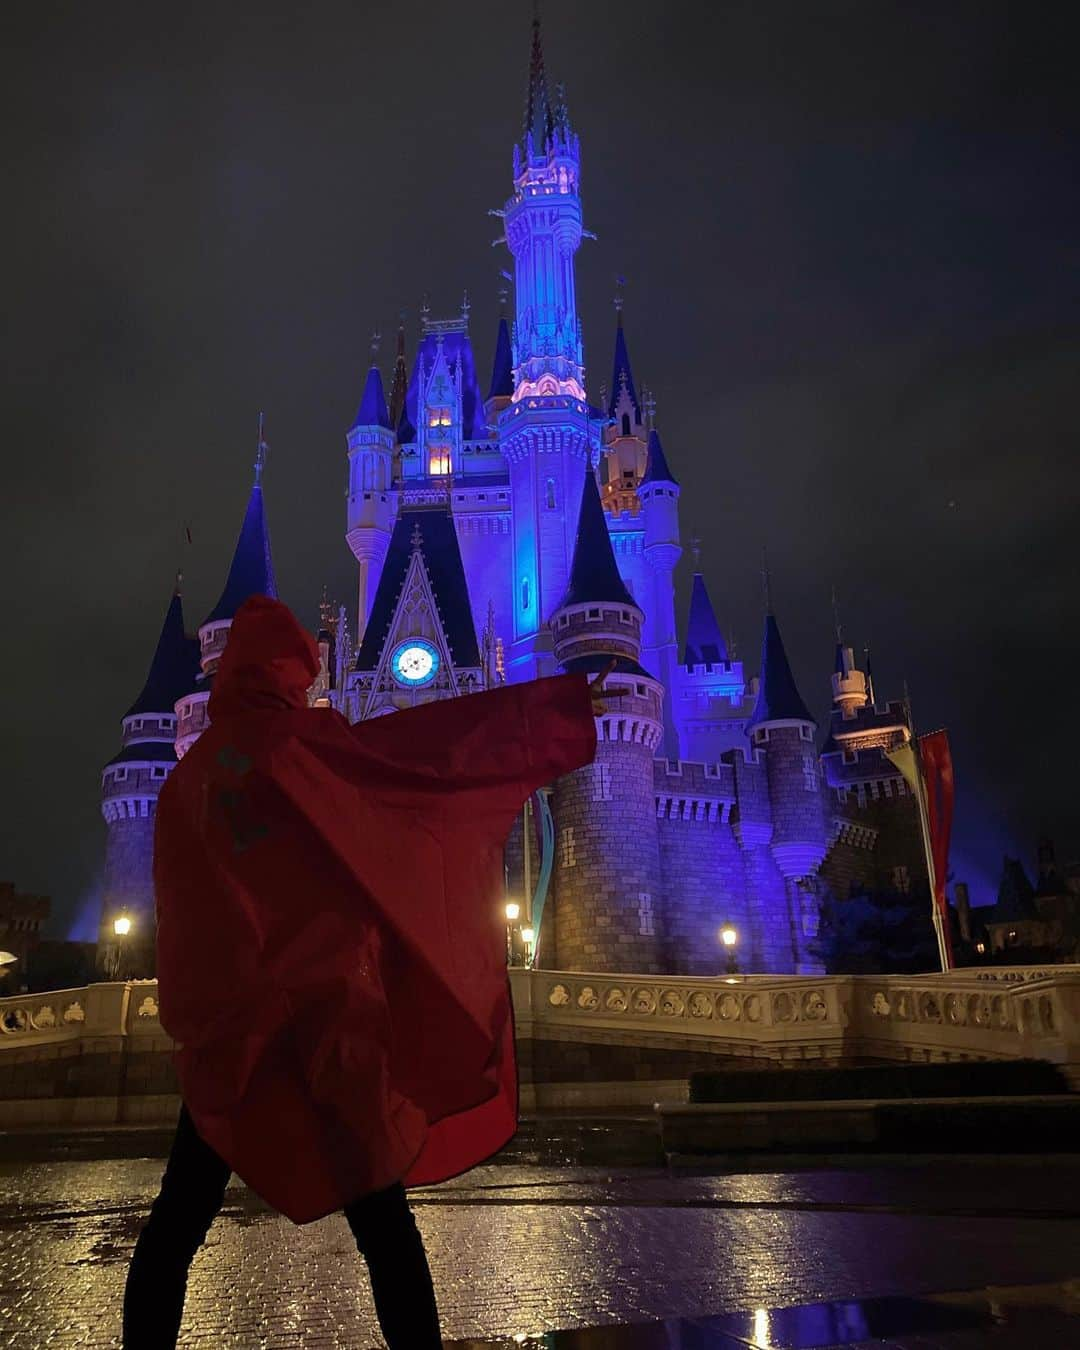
[[849, 236]]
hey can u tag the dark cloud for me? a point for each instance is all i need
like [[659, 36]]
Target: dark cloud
[[849, 232]]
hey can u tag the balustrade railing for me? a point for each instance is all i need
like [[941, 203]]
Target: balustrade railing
[[1032, 1012]]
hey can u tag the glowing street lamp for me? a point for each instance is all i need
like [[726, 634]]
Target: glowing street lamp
[[121, 928], [512, 912], [729, 936], [528, 936]]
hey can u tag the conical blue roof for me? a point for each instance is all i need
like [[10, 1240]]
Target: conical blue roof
[[656, 466], [176, 659], [622, 367], [705, 645], [502, 369], [593, 572], [778, 698], [252, 570], [373, 411]]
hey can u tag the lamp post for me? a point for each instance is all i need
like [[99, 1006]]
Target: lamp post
[[121, 928], [512, 912], [528, 937], [729, 936]]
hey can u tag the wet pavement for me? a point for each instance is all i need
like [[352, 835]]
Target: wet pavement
[[953, 1253]]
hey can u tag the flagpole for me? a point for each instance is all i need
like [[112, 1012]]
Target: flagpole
[[936, 916]]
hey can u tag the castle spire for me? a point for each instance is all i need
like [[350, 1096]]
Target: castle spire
[[373, 411], [778, 697], [539, 119], [593, 572], [252, 569], [502, 368], [173, 667], [622, 375], [656, 465], [400, 383], [705, 645]]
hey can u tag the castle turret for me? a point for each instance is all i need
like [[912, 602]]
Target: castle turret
[[251, 573], [371, 502], [659, 496], [782, 727], [848, 683], [710, 702], [607, 865], [130, 784], [547, 432]]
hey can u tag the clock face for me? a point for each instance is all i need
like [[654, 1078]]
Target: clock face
[[414, 663]]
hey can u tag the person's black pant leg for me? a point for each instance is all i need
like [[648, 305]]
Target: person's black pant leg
[[192, 1191], [390, 1243]]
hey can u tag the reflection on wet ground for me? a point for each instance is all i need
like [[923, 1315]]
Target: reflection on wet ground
[[586, 1259]]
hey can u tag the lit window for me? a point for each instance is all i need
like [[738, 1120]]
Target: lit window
[[439, 460], [438, 417], [549, 494]]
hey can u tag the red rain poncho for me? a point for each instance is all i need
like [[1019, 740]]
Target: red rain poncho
[[331, 946]]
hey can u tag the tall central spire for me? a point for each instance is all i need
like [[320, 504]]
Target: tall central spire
[[539, 122], [543, 232]]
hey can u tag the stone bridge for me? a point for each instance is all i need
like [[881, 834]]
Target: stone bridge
[[98, 1055]]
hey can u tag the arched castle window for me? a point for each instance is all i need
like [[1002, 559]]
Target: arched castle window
[[626, 424], [524, 592], [549, 494]]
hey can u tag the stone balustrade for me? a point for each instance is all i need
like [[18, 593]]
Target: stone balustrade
[[99, 1053]]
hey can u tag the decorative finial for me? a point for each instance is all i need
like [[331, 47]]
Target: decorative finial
[[695, 549], [504, 295], [836, 617], [733, 651], [376, 339], [260, 453], [650, 409], [465, 306], [766, 579], [179, 582], [617, 299], [416, 538], [325, 610]]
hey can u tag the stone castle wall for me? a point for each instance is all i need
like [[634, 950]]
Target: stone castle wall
[[607, 878]]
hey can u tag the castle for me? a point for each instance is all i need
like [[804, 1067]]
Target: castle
[[528, 530]]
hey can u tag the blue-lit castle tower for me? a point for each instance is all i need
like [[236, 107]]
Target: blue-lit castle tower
[[516, 527]]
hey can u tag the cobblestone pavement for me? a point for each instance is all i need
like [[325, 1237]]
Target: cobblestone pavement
[[520, 1251]]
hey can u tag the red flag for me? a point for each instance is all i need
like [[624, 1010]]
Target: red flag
[[937, 768]]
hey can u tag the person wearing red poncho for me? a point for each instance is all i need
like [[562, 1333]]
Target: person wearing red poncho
[[331, 957]]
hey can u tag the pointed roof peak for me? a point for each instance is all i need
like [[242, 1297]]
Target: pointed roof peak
[[539, 119], [656, 465], [705, 645], [778, 697], [502, 367], [252, 569], [622, 372], [173, 667], [594, 574], [372, 411]]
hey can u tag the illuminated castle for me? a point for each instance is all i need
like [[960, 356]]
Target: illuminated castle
[[533, 529]]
